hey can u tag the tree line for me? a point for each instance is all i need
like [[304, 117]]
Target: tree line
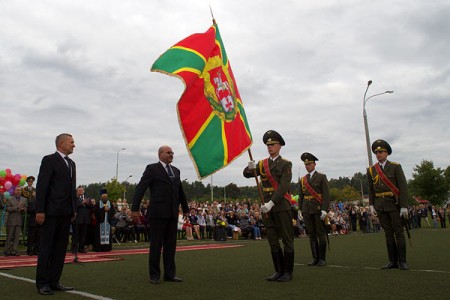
[[428, 182]]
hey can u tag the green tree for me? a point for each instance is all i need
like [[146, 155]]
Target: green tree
[[347, 193], [429, 182], [115, 190]]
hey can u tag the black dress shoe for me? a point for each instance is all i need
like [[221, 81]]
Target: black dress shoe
[[321, 263], [403, 266], [174, 279], [274, 276], [45, 290], [82, 251], [389, 266], [62, 288], [285, 277], [313, 263], [155, 281]]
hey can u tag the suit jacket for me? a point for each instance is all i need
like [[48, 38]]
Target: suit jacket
[[166, 194], [394, 173], [56, 189], [15, 214], [83, 211], [319, 183], [281, 171]]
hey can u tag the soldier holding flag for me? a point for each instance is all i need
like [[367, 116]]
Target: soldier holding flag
[[276, 174]]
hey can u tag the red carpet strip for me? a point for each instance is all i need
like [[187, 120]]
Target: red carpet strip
[[9, 262]]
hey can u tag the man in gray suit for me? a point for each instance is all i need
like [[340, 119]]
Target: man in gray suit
[[16, 205]]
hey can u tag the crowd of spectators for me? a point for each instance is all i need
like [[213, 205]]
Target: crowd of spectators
[[242, 218]]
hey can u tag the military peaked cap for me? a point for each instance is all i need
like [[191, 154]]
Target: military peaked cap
[[272, 137], [381, 145], [308, 158]]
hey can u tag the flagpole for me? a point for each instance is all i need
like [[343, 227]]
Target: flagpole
[[212, 15], [256, 178]]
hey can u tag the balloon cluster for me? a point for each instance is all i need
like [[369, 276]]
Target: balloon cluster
[[9, 182], [294, 201]]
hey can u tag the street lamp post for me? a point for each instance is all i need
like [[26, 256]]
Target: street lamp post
[[362, 192], [366, 126], [124, 186], [117, 163]]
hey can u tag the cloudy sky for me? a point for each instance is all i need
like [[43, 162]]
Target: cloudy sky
[[301, 67]]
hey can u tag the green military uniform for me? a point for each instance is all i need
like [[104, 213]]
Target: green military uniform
[[311, 209], [33, 229], [278, 221], [387, 205]]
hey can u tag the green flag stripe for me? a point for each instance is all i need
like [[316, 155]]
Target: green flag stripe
[[175, 59], [205, 155]]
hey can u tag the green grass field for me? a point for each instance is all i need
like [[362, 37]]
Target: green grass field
[[239, 273]]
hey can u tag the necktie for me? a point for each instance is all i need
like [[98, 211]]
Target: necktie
[[381, 166], [308, 176], [169, 171], [69, 165]]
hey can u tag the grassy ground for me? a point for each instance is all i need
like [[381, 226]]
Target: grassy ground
[[239, 273]]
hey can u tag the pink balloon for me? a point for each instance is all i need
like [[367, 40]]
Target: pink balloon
[[8, 171], [8, 185]]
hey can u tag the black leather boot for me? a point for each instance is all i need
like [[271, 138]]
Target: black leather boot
[[322, 254], [288, 267], [393, 257], [278, 263], [315, 252]]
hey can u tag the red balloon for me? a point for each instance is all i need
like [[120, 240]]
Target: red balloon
[[8, 171], [9, 177], [2, 181], [2, 190]]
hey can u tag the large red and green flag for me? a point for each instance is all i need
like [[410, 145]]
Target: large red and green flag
[[210, 111]]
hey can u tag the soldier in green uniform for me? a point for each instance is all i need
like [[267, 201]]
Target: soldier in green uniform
[[276, 175], [33, 229], [388, 199], [313, 201]]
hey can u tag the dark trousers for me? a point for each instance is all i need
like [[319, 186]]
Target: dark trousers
[[52, 252], [79, 232], [393, 232], [33, 239], [315, 227], [163, 234], [279, 226]]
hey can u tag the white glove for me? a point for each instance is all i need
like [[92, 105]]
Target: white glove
[[267, 207], [300, 216], [372, 211], [323, 215], [251, 165], [404, 212]]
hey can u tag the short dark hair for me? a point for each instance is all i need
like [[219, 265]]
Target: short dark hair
[[61, 137]]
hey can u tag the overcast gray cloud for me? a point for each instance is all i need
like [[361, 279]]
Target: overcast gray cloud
[[301, 67]]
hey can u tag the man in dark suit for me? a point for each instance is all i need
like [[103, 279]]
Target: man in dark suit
[[55, 208], [81, 223], [313, 203], [388, 199], [166, 195]]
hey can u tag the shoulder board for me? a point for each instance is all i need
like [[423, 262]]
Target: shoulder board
[[394, 163], [319, 173], [287, 160]]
